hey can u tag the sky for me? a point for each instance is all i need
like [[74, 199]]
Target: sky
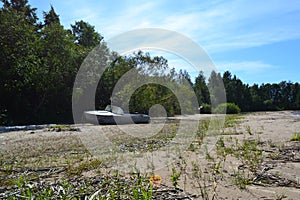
[[258, 41]]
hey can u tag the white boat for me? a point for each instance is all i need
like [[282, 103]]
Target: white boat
[[114, 115]]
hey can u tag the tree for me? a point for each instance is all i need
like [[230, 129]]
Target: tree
[[18, 30], [216, 89], [51, 17], [295, 97], [184, 77], [22, 8], [59, 69], [85, 34], [237, 92], [256, 98], [201, 89]]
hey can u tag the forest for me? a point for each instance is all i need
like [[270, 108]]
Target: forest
[[40, 59]]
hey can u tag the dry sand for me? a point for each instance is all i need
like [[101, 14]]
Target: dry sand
[[274, 128]]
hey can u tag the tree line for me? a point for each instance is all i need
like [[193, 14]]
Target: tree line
[[265, 97], [40, 59]]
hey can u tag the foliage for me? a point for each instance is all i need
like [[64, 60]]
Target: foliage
[[216, 89], [112, 186], [206, 108], [85, 34], [201, 89], [175, 177], [227, 108], [40, 59], [122, 78]]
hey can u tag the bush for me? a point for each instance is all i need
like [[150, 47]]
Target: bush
[[206, 108], [269, 106], [228, 108]]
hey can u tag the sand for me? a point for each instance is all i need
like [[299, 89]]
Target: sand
[[274, 130]]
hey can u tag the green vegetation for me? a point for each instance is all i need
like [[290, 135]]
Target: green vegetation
[[231, 121], [206, 108], [296, 137], [112, 186], [60, 127], [175, 177], [40, 59], [227, 108]]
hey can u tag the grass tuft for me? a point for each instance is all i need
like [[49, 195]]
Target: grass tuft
[[296, 137]]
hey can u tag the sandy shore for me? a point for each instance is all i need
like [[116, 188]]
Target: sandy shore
[[273, 130]]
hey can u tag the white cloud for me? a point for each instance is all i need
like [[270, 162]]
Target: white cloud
[[221, 27], [217, 25], [245, 67]]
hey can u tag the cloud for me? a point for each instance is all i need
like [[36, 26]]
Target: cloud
[[217, 25], [246, 67]]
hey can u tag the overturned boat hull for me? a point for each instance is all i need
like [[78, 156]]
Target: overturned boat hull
[[104, 117]]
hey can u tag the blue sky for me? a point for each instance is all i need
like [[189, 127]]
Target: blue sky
[[259, 41]]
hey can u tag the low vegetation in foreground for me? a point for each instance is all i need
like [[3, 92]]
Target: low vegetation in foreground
[[296, 137]]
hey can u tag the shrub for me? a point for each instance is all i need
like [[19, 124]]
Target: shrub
[[206, 108], [269, 106], [228, 108]]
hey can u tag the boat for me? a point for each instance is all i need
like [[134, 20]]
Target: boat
[[114, 115]]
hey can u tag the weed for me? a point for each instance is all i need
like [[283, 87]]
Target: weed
[[272, 145], [247, 152], [274, 156], [280, 196], [61, 127], [296, 137], [202, 129], [248, 129], [232, 120], [175, 177], [207, 155], [83, 166], [241, 179]]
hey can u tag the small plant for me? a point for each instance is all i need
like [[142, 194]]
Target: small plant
[[280, 196], [272, 145], [296, 137], [202, 129], [60, 127], [200, 180], [274, 156], [247, 153], [192, 147], [241, 179], [83, 166], [248, 129], [232, 120], [207, 155], [175, 177]]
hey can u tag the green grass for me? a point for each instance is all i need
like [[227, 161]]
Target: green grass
[[112, 186], [296, 137], [233, 120]]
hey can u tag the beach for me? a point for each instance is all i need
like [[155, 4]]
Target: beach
[[254, 157]]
